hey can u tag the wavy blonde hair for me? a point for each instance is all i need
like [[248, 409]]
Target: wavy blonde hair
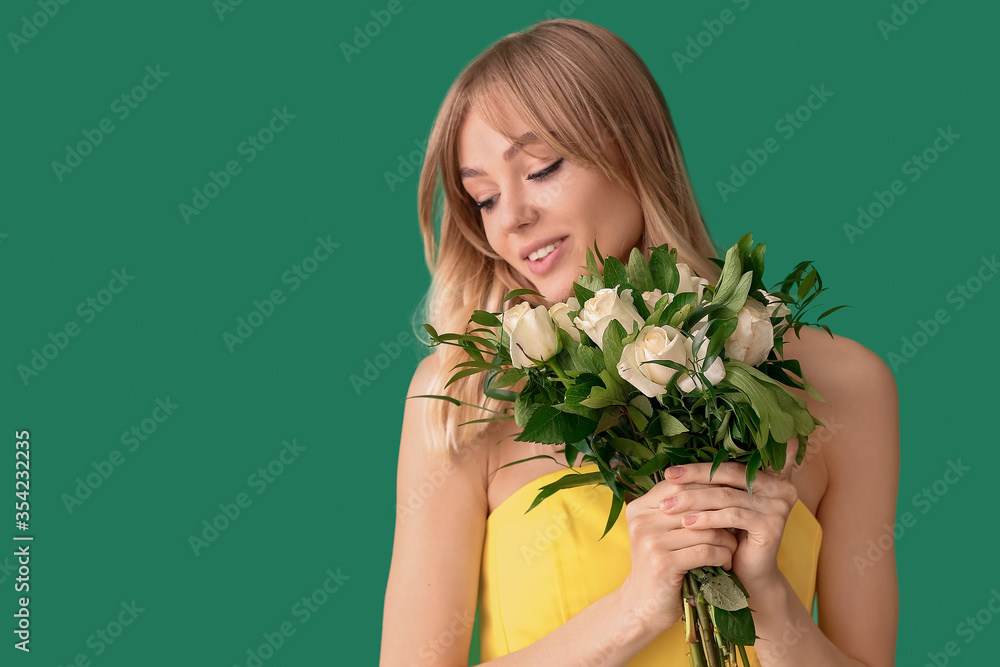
[[583, 83]]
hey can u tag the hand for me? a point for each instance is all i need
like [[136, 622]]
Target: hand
[[663, 551], [724, 503]]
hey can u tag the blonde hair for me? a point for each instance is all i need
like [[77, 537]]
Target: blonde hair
[[583, 83]]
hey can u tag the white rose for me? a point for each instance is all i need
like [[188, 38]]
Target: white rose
[[775, 304], [652, 297], [534, 336], [512, 315], [560, 313], [689, 282], [754, 335], [605, 306], [714, 373], [652, 343]]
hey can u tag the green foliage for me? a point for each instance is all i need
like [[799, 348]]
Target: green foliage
[[578, 399]]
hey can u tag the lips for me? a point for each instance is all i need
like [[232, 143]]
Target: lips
[[545, 264], [538, 245]]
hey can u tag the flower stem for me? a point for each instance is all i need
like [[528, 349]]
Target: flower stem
[[696, 651], [558, 370], [707, 634]]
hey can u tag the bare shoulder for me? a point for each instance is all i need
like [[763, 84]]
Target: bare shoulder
[[432, 587], [420, 460], [859, 445], [859, 392]]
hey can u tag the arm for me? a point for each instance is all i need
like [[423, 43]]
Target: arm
[[857, 588], [432, 589]]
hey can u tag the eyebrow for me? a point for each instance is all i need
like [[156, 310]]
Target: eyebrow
[[508, 155]]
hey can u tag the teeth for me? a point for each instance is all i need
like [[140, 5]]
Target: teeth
[[542, 252]]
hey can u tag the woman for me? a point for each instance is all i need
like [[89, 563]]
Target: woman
[[553, 139]]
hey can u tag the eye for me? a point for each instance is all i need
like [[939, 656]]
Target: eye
[[537, 176]]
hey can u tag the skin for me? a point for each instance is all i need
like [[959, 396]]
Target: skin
[[849, 481], [573, 201]]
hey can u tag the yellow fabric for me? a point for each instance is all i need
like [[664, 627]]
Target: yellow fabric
[[541, 568]]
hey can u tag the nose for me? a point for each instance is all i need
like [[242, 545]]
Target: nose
[[518, 211]]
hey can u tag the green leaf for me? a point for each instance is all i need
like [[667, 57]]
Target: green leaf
[[675, 312], [524, 405], [548, 425], [721, 591], [578, 392], [485, 318], [518, 292], [752, 465], [655, 464], [670, 425], [582, 293], [592, 267], [591, 283], [613, 347], [638, 272], [807, 284], [567, 481], [643, 404], [508, 377], [615, 273], [636, 450], [637, 417], [587, 359], [738, 296], [731, 273], [735, 626], [490, 389], [832, 310], [663, 267], [616, 507], [610, 417]]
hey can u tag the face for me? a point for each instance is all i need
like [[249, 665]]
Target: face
[[530, 204]]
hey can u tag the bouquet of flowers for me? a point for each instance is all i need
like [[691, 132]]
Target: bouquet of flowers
[[656, 367]]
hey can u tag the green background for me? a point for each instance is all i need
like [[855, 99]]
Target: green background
[[325, 176]]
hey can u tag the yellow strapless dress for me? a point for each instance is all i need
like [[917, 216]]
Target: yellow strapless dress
[[541, 568]]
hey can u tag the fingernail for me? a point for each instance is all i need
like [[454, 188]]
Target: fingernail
[[668, 503], [674, 472], [689, 519]]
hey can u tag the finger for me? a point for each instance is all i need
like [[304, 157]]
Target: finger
[[728, 473], [752, 521], [716, 497], [661, 490], [682, 539], [702, 555]]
